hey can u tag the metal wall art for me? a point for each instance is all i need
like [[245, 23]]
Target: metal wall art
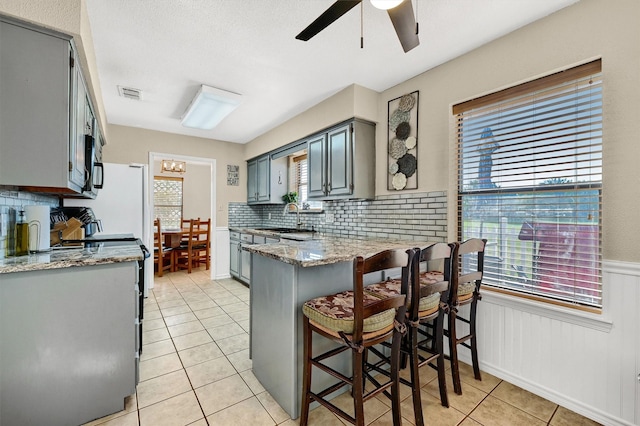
[[402, 141], [233, 175]]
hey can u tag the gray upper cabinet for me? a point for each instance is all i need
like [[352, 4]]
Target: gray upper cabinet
[[263, 181], [44, 110], [341, 162], [266, 180], [80, 118], [316, 158], [252, 181]]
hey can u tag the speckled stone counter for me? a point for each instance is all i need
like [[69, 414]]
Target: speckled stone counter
[[67, 258], [326, 250]]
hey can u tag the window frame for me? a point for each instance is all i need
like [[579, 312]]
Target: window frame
[[506, 95]]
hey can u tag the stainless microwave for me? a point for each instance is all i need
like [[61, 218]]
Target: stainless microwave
[[94, 170]]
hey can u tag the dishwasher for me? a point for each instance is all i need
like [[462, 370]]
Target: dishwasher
[[240, 260]]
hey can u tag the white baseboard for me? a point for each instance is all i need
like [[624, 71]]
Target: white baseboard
[[553, 396]]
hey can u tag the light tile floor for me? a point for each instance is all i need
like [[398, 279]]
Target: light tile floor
[[195, 370]]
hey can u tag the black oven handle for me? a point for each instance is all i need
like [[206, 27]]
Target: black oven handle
[[101, 167], [145, 251]]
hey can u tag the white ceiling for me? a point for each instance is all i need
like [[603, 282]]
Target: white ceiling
[[168, 48]]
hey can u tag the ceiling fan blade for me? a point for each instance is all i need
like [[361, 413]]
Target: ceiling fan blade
[[404, 22], [336, 10]]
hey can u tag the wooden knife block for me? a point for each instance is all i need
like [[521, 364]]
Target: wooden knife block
[[69, 230]]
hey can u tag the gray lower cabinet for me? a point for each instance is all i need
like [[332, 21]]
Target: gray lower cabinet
[[341, 161], [240, 260], [234, 254], [68, 343], [44, 107], [245, 259]]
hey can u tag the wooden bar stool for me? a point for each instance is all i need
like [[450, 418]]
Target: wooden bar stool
[[466, 279], [356, 320], [423, 345]]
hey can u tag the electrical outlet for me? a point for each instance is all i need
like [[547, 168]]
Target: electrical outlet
[[330, 218], [269, 216]]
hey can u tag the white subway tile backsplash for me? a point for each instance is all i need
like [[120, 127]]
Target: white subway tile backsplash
[[410, 216], [10, 198]]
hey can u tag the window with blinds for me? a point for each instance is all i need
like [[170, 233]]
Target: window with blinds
[[167, 200], [530, 182], [301, 178]]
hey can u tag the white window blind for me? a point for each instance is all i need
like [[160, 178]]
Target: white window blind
[[167, 200], [530, 182], [302, 183], [301, 177]]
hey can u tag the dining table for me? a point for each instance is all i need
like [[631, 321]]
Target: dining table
[[173, 237]]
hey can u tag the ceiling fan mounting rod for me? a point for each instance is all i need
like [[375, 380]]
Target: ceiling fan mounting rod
[[361, 25], [417, 29]]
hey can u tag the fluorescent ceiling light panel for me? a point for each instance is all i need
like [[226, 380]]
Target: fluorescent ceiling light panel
[[210, 107]]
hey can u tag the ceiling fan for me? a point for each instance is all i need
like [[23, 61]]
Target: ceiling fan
[[400, 12]]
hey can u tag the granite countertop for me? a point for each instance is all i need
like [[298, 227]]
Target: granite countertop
[[267, 232], [67, 258], [325, 250]]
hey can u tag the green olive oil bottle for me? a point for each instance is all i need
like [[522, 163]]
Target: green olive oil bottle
[[22, 235]]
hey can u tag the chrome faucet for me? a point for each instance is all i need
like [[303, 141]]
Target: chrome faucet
[[286, 209]]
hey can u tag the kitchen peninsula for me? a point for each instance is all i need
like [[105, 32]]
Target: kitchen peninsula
[[284, 276], [69, 334]]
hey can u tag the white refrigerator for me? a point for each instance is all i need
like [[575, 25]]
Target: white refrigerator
[[122, 206]]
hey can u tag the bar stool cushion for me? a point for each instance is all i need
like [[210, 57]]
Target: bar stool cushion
[[391, 288], [465, 291], [335, 312]]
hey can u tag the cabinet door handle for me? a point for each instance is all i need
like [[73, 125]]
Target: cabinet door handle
[[329, 187]]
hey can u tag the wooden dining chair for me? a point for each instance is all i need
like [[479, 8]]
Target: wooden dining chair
[[466, 279], [197, 247], [356, 320], [202, 243], [422, 345], [185, 224], [162, 256]]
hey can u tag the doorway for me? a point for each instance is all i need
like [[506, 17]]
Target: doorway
[[157, 157]]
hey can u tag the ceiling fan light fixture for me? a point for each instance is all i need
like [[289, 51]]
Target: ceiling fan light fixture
[[209, 107], [385, 4]]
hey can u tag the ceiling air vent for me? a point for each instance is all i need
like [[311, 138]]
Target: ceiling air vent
[[130, 93]]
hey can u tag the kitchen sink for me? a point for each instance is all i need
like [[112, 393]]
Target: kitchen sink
[[285, 230], [298, 236]]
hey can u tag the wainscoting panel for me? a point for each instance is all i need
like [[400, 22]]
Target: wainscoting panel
[[586, 362], [222, 253]]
